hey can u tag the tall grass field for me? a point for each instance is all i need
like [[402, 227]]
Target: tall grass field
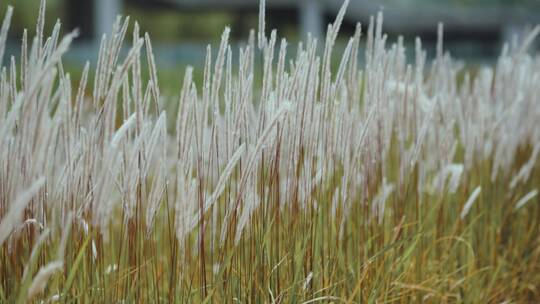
[[278, 179]]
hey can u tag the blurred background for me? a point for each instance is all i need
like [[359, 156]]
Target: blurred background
[[180, 29]]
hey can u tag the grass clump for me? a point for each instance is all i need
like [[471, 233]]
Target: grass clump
[[381, 182]]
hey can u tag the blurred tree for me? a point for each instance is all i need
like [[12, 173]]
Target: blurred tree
[[25, 14]]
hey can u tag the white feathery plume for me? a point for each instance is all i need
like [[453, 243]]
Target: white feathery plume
[[452, 173], [468, 205], [35, 250], [261, 36], [4, 31], [13, 217], [525, 171], [225, 175], [262, 139], [524, 200], [251, 203], [42, 277], [307, 281], [379, 202]]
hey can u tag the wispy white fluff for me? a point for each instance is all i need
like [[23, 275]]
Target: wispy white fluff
[[468, 205], [4, 30], [42, 277], [13, 216], [251, 202], [451, 173], [524, 200], [262, 23], [220, 186], [379, 202], [307, 280], [35, 250], [525, 171], [122, 131], [456, 170]]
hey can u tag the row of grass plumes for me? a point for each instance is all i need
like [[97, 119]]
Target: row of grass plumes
[[386, 181]]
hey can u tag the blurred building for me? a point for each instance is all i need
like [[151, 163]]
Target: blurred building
[[180, 29], [481, 18]]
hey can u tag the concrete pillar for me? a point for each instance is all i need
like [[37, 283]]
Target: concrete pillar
[[105, 12], [512, 33], [311, 17]]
